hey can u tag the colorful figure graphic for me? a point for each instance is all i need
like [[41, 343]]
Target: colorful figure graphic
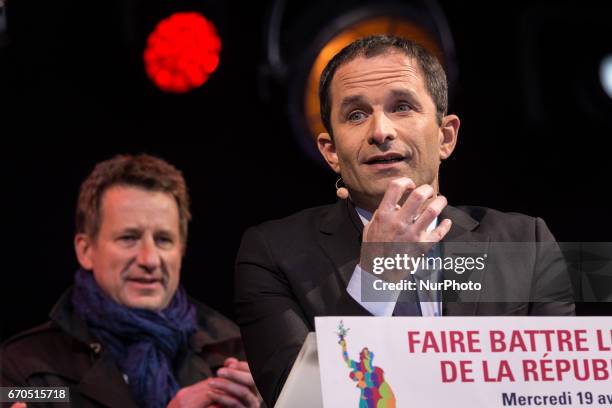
[[375, 391]]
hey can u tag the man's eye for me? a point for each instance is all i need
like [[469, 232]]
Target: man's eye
[[128, 238], [403, 107], [164, 241], [356, 116]]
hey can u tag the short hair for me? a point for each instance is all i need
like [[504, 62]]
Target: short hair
[[375, 45], [144, 171]]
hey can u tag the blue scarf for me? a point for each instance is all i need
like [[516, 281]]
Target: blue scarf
[[142, 342]]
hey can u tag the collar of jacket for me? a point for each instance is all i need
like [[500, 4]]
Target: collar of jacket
[[336, 218], [341, 234]]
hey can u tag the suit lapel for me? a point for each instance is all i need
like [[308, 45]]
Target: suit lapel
[[463, 240], [340, 239]]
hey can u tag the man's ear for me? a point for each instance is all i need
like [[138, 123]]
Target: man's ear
[[326, 146], [83, 247], [449, 130]]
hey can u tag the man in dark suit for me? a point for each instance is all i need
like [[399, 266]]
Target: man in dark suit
[[384, 105]]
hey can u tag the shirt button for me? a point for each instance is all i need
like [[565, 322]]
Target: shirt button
[[95, 347]]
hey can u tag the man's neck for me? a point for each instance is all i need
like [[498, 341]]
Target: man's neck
[[369, 204]]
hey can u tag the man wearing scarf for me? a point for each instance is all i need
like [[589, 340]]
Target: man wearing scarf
[[126, 334]]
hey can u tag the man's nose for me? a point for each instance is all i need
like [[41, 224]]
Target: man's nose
[[148, 255], [382, 130]]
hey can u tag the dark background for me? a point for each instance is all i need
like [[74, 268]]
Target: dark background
[[534, 137]]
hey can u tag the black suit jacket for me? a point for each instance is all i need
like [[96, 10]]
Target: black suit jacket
[[288, 271]]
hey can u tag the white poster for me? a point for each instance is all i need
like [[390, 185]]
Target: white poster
[[383, 362]]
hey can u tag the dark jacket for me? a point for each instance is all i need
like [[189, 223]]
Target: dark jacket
[[288, 271], [63, 352]]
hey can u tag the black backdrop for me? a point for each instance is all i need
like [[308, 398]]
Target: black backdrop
[[534, 134]]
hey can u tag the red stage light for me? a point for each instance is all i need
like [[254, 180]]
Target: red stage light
[[182, 52]]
